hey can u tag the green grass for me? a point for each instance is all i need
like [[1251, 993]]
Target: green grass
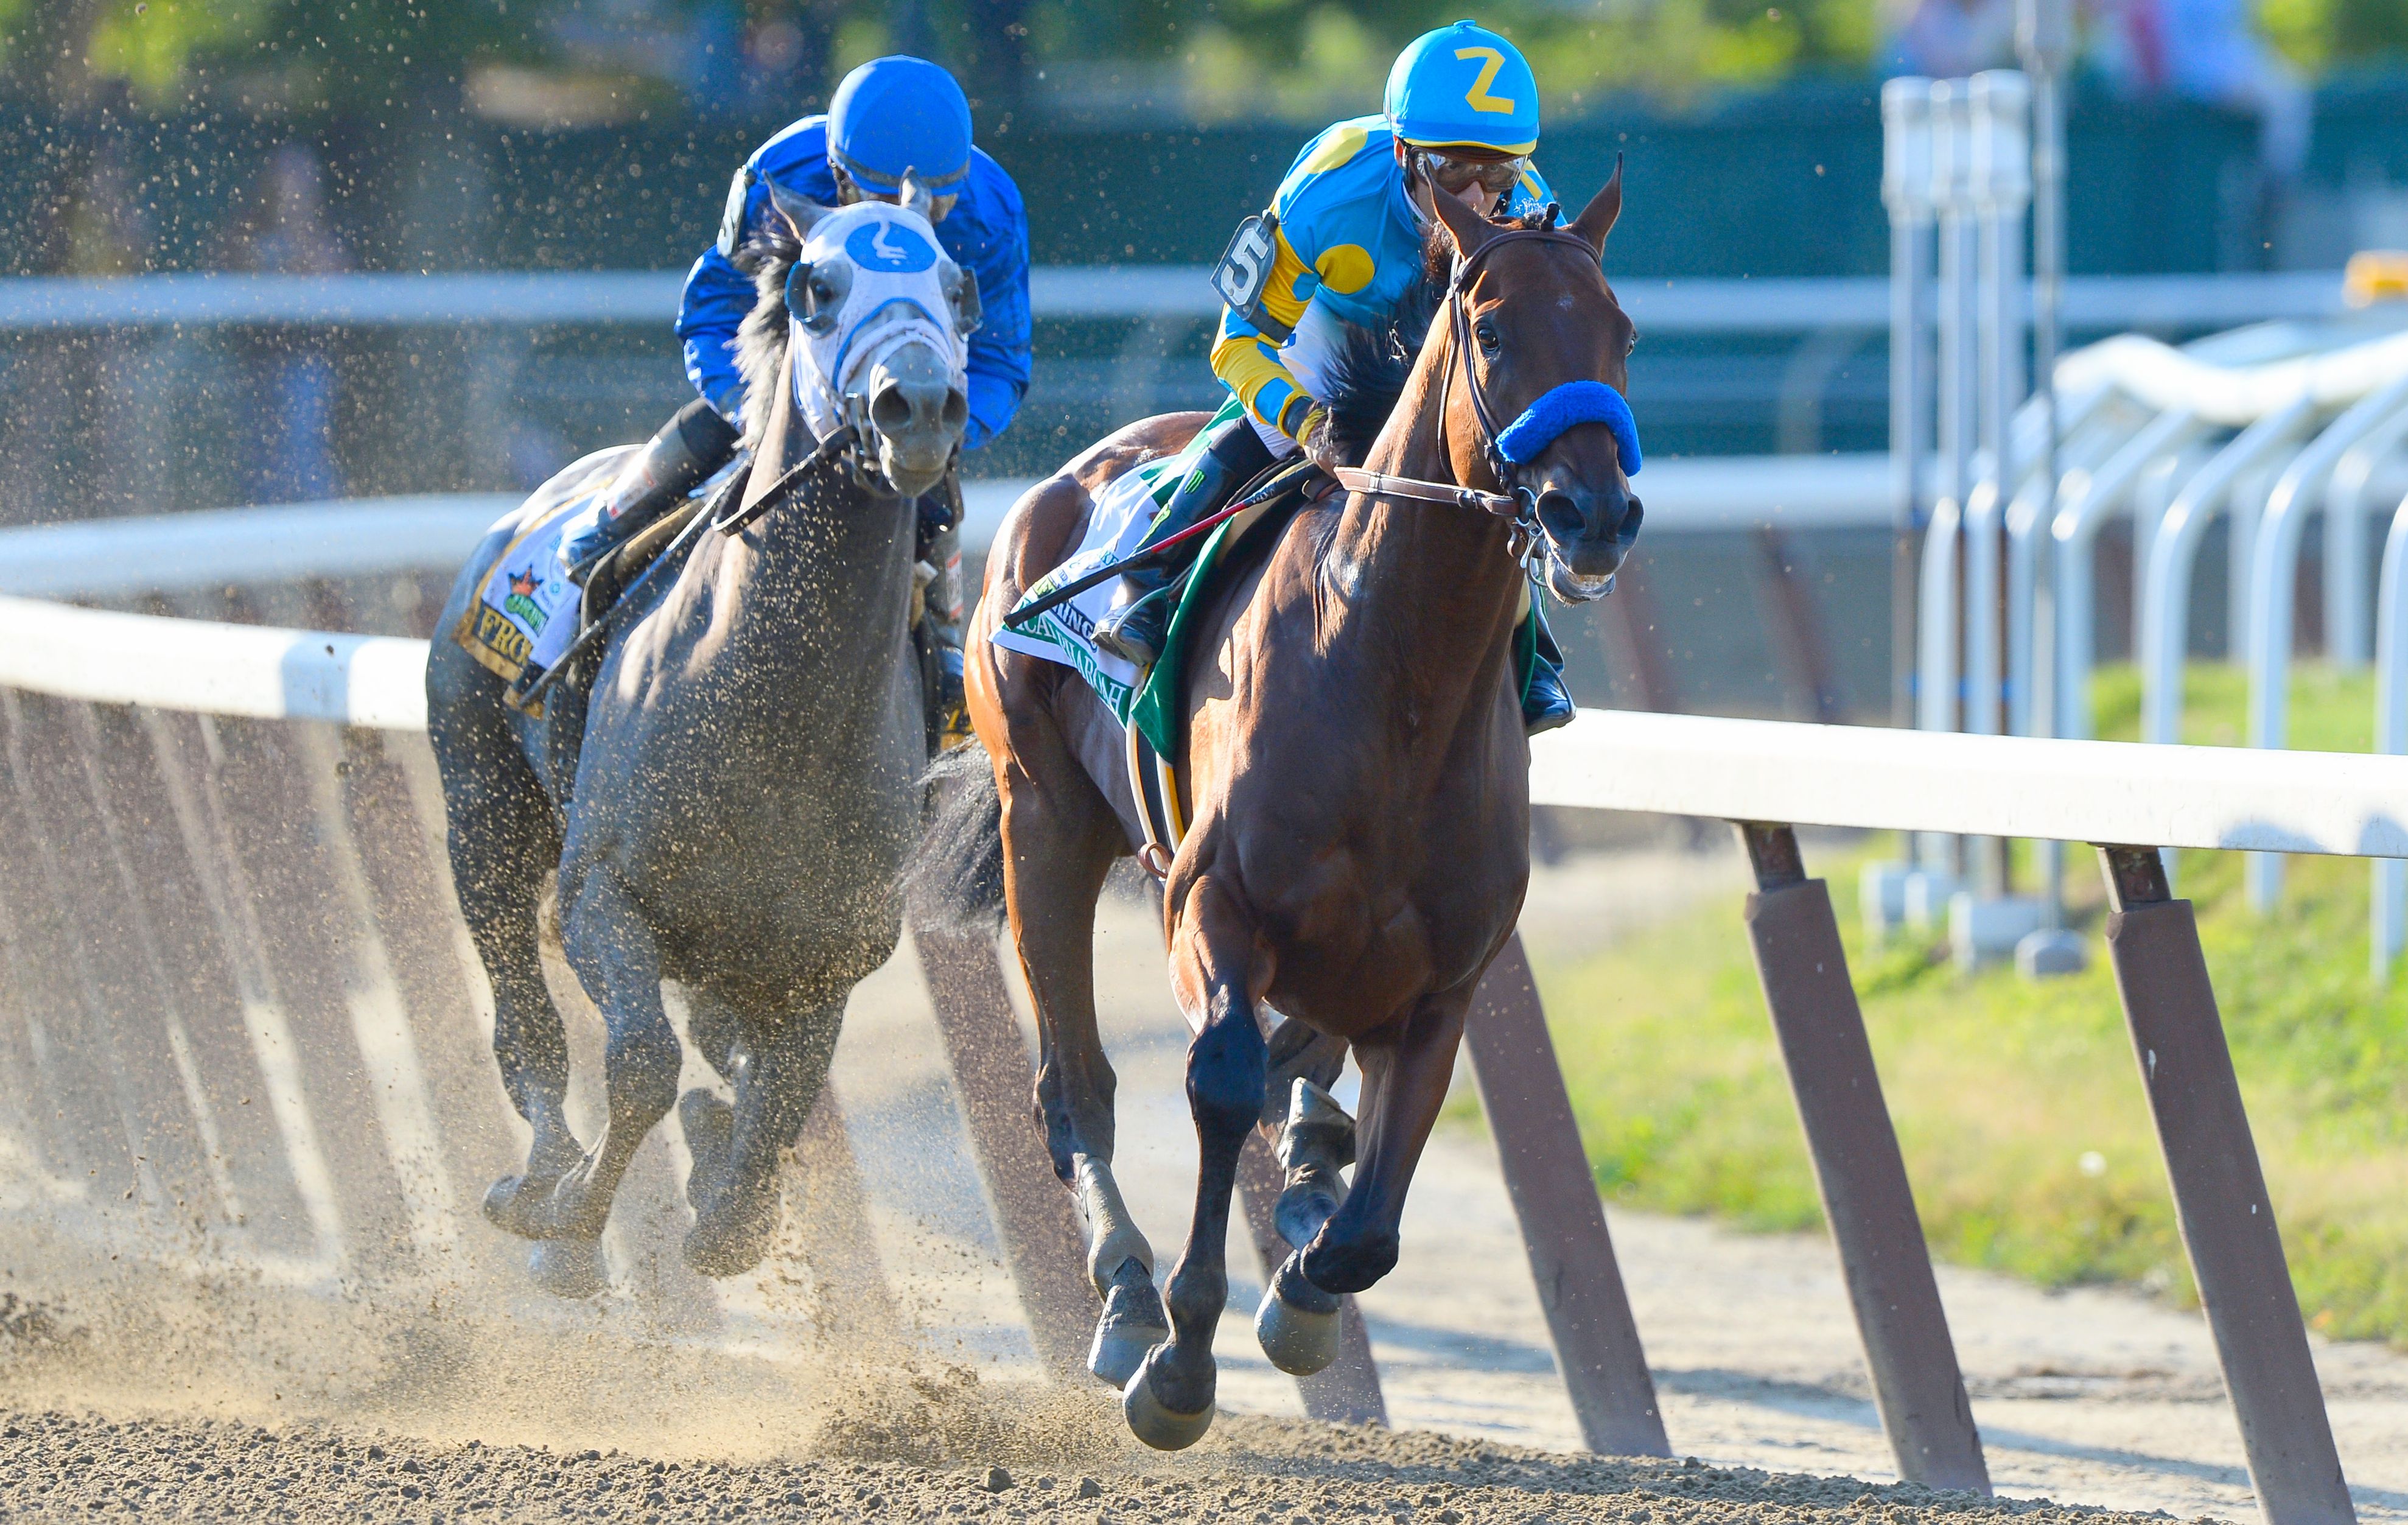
[[2018, 1104]]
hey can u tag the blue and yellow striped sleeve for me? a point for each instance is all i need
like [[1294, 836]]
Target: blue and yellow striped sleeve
[[1247, 360]]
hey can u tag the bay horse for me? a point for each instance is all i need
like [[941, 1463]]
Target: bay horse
[[1354, 769], [749, 779]]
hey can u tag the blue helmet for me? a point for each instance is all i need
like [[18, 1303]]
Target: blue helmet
[[1464, 86], [898, 113]]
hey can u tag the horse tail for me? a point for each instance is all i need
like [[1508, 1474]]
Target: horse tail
[[954, 879]]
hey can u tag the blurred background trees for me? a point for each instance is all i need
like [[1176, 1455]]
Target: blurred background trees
[[1205, 59]]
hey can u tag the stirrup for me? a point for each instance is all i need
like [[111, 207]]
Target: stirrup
[[1124, 632]]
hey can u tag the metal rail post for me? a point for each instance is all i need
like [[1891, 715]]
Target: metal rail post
[[1563, 1223], [2227, 1223], [1866, 1198], [1041, 1243], [1906, 186]]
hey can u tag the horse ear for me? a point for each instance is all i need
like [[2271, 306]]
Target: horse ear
[[801, 211], [1596, 218], [1469, 229], [916, 197]]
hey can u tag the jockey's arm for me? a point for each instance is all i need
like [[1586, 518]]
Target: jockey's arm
[[1246, 353], [712, 307], [999, 349]]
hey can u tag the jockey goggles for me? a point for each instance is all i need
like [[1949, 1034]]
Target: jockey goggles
[[1454, 176]]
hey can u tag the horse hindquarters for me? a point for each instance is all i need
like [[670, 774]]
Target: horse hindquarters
[[503, 839], [1060, 837]]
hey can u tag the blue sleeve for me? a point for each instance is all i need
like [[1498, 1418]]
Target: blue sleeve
[[716, 298], [717, 294], [999, 351]]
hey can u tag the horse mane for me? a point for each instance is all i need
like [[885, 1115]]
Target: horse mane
[[761, 338], [1368, 368]]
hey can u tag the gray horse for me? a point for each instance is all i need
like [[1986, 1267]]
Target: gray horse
[[746, 783]]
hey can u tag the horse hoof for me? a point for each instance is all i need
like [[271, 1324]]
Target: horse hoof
[[1132, 1324], [502, 1204], [515, 1205], [568, 1268], [730, 1242], [1150, 1420], [1299, 1340]]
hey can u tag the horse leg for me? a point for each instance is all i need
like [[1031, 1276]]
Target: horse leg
[[1406, 1067], [716, 1029], [612, 948], [502, 840], [780, 1067], [1056, 854], [1168, 1403], [1313, 1137]]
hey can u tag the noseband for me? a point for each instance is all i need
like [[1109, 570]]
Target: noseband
[[1556, 409]]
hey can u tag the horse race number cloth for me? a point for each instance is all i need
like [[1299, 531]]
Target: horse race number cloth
[[526, 611], [1124, 510]]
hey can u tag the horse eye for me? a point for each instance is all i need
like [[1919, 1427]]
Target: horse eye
[[1486, 333], [1632, 345]]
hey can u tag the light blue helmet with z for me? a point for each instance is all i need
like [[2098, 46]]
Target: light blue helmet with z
[[1463, 86], [900, 113]]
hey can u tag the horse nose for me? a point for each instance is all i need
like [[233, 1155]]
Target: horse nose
[[906, 405], [1568, 515]]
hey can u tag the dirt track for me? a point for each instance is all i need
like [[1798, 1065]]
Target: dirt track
[[227, 1395], [54, 1466]]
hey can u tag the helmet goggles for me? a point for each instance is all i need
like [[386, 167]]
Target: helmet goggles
[[1457, 174]]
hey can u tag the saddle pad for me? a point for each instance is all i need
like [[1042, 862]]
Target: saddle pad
[[1124, 511], [527, 595]]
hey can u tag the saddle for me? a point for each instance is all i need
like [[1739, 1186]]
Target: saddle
[[617, 567]]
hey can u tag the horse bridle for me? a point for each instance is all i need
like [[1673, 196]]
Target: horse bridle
[[1520, 506]]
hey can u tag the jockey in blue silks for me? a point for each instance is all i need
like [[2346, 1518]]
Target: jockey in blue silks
[[1344, 248], [888, 116]]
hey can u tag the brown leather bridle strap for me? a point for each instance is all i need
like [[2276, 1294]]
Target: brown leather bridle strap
[[1380, 484], [1503, 504]]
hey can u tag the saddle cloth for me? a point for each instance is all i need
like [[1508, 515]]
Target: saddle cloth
[[1124, 510], [526, 609], [1149, 701]]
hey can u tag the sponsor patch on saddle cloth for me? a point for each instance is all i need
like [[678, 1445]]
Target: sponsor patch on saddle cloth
[[527, 607]]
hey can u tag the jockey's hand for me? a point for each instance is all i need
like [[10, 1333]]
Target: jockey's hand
[[1315, 439]]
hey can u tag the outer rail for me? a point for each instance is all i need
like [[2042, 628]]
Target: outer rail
[[1762, 775], [2331, 802]]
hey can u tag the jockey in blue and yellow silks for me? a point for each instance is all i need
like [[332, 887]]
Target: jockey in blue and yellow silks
[[1342, 243]]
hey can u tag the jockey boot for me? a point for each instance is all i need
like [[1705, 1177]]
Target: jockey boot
[[687, 450], [1135, 629], [940, 567], [1546, 703]]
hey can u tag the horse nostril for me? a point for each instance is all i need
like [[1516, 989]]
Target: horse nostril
[[890, 411], [1628, 529], [957, 410], [1560, 514]]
